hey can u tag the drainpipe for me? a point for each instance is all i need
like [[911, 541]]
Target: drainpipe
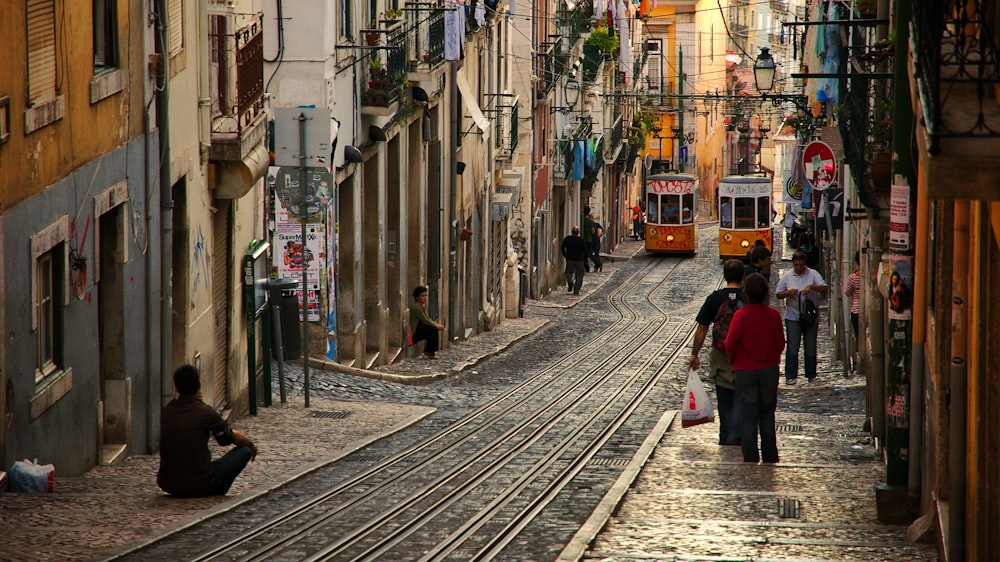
[[876, 329], [959, 384], [166, 204], [453, 202], [920, 282]]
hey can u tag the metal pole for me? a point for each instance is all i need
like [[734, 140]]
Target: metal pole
[[453, 305], [305, 259], [680, 107]]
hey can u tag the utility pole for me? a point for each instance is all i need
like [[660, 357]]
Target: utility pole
[[680, 108]]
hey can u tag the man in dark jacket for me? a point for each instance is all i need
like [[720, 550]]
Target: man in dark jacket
[[186, 465], [575, 252]]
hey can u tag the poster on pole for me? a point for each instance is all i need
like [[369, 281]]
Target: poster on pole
[[899, 217], [290, 256]]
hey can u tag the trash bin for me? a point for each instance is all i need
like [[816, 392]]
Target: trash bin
[[283, 293]]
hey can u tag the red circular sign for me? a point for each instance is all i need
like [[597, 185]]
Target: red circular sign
[[819, 164]]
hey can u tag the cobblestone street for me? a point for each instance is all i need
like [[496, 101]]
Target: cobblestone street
[[692, 499]]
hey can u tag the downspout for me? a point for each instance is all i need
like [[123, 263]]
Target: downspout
[[166, 205], [876, 333], [917, 375], [453, 307], [959, 385]]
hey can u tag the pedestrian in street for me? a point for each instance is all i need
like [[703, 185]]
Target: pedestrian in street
[[638, 223], [810, 249], [423, 326], [575, 252], [186, 466], [588, 235], [852, 290], [760, 261], [753, 346], [805, 282], [717, 311], [594, 246]]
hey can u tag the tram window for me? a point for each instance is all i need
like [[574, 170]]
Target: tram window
[[669, 209], [726, 212], [745, 215], [687, 208], [763, 212], [652, 209]]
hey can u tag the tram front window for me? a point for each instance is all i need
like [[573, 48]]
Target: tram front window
[[687, 208], [670, 212], [726, 212], [652, 209], [745, 212], [763, 212]]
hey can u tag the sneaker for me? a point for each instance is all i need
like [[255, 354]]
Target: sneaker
[[790, 382], [570, 289]]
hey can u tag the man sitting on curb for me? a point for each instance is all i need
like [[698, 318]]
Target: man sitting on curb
[[186, 466]]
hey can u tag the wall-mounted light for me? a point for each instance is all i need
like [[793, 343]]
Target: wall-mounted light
[[459, 167], [377, 134], [763, 70], [352, 155]]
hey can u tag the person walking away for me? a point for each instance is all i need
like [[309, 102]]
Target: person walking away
[[717, 311], [588, 233], [595, 245], [423, 326], [753, 346], [805, 282], [186, 466], [852, 290], [638, 226], [575, 253]]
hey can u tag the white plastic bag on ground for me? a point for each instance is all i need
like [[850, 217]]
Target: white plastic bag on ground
[[33, 478], [697, 405]]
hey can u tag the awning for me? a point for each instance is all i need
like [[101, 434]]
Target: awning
[[473, 106]]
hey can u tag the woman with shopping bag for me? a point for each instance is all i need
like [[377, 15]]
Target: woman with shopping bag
[[754, 344]]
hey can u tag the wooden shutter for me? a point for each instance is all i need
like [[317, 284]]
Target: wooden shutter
[[175, 29], [221, 260], [41, 50]]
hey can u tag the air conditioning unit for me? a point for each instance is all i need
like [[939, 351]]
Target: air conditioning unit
[[500, 207]]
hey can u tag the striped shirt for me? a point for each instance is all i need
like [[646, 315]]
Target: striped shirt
[[853, 290]]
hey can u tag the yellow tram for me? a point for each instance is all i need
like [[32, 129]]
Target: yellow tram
[[672, 213], [745, 214]]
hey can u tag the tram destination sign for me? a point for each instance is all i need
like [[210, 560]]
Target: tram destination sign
[[680, 186]]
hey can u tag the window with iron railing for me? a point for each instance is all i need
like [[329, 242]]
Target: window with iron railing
[[236, 77]]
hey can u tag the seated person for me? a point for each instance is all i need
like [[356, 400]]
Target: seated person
[[186, 466], [670, 213]]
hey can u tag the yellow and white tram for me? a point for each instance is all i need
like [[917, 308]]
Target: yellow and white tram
[[672, 213], [745, 214]]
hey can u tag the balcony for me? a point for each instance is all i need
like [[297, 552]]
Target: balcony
[[386, 65], [425, 48], [956, 75], [572, 24], [615, 134], [780, 6], [593, 58], [550, 65], [236, 50], [504, 107]]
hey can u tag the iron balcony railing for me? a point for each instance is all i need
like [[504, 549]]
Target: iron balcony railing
[[425, 23], [779, 5], [956, 51], [237, 68], [504, 106], [386, 64], [615, 134], [573, 23], [593, 58], [550, 66]]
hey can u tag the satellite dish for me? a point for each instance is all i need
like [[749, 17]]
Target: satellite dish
[[647, 162]]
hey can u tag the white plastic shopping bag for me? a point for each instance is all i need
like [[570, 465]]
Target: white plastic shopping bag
[[33, 478], [697, 405]]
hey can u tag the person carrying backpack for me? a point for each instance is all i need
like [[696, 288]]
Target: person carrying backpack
[[716, 313], [801, 288]]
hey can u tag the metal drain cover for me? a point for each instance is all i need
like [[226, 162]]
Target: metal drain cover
[[789, 508], [328, 415]]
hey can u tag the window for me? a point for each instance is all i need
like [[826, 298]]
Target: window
[[41, 26], [175, 23], [49, 293], [346, 12], [654, 66], [105, 34]]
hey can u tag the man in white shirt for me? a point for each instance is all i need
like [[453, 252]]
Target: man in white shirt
[[806, 283]]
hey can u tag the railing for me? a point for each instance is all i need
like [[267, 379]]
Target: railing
[[425, 22], [597, 162], [573, 23], [955, 50], [549, 66], [616, 134], [237, 68], [505, 108], [779, 5], [385, 76], [593, 57]]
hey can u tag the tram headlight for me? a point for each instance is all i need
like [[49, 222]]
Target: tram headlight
[[744, 243], [670, 238]]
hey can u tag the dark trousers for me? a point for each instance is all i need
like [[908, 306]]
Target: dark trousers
[[226, 468], [574, 275], [729, 416], [595, 252], [795, 334], [427, 333], [757, 393]]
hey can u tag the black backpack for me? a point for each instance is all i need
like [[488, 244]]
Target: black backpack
[[808, 313], [720, 325]]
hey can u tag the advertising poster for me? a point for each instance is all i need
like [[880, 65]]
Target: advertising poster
[[899, 288], [899, 218], [289, 255]]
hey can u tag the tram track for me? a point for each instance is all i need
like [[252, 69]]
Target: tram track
[[511, 439]]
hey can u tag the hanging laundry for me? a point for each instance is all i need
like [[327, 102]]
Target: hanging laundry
[[578, 158]]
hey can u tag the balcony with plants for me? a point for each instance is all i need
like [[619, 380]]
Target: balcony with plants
[[601, 46], [425, 45], [386, 63], [573, 22]]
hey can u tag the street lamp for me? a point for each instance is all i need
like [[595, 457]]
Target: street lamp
[[763, 77]]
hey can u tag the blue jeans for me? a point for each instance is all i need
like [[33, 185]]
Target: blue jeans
[[729, 416], [757, 394], [226, 468], [794, 333]]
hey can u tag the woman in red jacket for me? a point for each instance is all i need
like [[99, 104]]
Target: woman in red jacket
[[754, 344]]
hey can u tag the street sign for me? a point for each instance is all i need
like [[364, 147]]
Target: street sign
[[288, 142], [311, 201], [819, 164], [684, 154]]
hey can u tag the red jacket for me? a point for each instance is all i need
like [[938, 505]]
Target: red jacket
[[756, 338]]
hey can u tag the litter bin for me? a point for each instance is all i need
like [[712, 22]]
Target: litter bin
[[283, 292]]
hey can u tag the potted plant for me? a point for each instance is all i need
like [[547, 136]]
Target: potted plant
[[602, 38]]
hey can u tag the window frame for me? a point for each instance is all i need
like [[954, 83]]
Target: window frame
[[49, 295], [105, 35]]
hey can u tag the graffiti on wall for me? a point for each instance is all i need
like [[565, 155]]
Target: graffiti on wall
[[199, 261], [519, 238]]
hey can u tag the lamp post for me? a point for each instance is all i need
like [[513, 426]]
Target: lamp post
[[763, 77]]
